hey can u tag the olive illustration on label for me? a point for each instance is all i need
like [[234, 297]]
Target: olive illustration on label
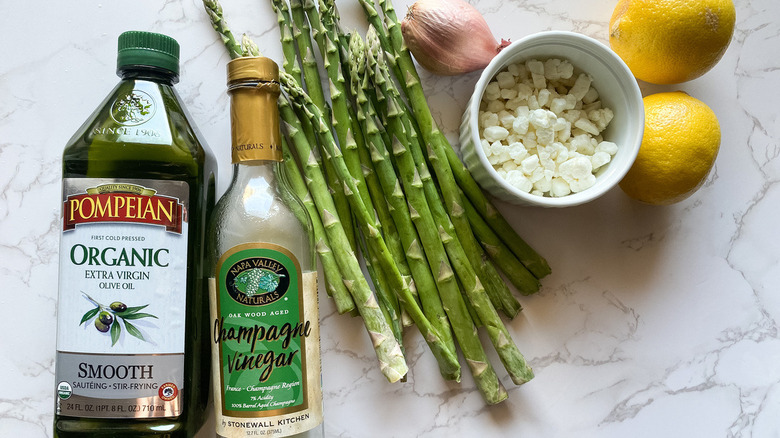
[[100, 326], [105, 317], [114, 317]]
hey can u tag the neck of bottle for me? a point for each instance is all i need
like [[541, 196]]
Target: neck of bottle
[[148, 73], [254, 118]]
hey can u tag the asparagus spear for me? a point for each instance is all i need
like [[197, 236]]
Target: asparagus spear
[[311, 73], [502, 256], [375, 21], [385, 224], [385, 221], [426, 286], [392, 362], [247, 47], [465, 331], [389, 353], [519, 247], [433, 136], [290, 57], [214, 11], [349, 133], [333, 281], [498, 291], [446, 358], [492, 281], [293, 21], [510, 356], [388, 302]]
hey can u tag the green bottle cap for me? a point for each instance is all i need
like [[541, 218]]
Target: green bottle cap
[[137, 48]]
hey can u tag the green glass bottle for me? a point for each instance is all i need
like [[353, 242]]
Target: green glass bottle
[[132, 328], [263, 292]]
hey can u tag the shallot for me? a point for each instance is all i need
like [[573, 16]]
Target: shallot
[[449, 37]]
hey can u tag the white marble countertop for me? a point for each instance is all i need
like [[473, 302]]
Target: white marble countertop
[[656, 321]]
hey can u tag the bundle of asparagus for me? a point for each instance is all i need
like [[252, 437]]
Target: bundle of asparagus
[[379, 179]]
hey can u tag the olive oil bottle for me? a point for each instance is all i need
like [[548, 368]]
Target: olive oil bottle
[[263, 294], [132, 328]]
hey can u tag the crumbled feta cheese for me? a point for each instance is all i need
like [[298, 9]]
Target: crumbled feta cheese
[[542, 119], [533, 103], [557, 105], [581, 86], [492, 91], [591, 106], [541, 124], [517, 152], [576, 168], [582, 184], [591, 96], [608, 147], [599, 159], [488, 119], [505, 118], [513, 104], [495, 106], [571, 114], [524, 91], [495, 133], [601, 117], [530, 164], [519, 181], [543, 185], [509, 166], [544, 97], [555, 69], [520, 125], [535, 67], [505, 80], [486, 148], [514, 69], [559, 187], [587, 126], [508, 93]]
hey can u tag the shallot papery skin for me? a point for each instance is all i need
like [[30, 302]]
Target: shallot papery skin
[[449, 37]]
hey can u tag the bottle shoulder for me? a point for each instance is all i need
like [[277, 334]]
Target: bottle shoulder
[[141, 121], [254, 204], [253, 210]]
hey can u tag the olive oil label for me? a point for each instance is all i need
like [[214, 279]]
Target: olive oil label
[[265, 329], [122, 293]]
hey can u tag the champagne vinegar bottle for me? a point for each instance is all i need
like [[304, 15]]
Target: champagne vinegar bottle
[[132, 321], [263, 294]]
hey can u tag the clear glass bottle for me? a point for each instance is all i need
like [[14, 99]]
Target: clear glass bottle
[[132, 330], [263, 294]]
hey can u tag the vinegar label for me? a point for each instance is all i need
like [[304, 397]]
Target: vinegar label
[[265, 333], [122, 298]]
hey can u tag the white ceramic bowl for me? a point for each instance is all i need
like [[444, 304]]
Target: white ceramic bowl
[[617, 89]]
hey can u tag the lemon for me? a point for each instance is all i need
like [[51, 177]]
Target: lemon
[[671, 41], [679, 146]]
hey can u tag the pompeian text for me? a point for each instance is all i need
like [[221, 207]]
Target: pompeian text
[[126, 207]]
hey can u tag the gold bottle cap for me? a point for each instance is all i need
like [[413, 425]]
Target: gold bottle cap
[[253, 84], [252, 69]]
